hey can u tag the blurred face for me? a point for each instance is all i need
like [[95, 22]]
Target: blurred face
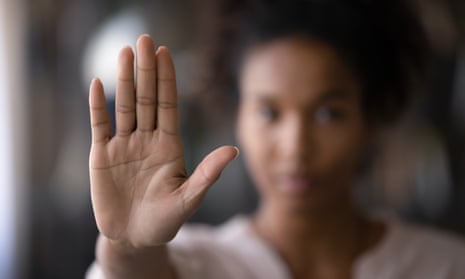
[[300, 123]]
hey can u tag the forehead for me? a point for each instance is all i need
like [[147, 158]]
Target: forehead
[[296, 67]]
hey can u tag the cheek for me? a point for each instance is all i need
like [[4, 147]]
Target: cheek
[[340, 152], [256, 146]]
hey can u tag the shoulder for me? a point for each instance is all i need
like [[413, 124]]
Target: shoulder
[[426, 242], [416, 251]]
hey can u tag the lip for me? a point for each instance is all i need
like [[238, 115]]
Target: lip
[[296, 184]]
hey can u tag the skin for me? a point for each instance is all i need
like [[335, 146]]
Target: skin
[[140, 192], [300, 126], [302, 131], [300, 123]]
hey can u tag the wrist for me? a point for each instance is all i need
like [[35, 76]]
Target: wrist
[[120, 259]]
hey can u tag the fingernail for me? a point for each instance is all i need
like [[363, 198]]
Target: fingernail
[[237, 152]]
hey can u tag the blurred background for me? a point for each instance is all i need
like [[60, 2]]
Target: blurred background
[[50, 50]]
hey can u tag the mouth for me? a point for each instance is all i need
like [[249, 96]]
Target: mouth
[[296, 184]]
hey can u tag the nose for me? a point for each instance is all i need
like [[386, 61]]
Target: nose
[[296, 143]]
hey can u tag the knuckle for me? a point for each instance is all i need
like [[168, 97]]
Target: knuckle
[[146, 68], [121, 108], [169, 132], [123, 132], [123, 78], [145, 100], [167, 105], [205, 178], [99, 124]]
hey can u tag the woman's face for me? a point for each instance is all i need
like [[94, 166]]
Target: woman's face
[[300, 123]]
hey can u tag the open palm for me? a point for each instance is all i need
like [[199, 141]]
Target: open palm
[[140, 191]]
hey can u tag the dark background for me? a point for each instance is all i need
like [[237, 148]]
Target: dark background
[[419, 175]]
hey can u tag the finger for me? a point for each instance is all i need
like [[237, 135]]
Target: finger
[[125, 91], [99, 118], [207, 172], [146, 84], [167, 104]]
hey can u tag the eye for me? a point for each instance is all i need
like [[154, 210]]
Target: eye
[[268, 113], [328, 114]]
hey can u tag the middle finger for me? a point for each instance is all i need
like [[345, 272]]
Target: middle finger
[[146, 84]]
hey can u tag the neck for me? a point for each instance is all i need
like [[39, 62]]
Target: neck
[[337, 236], [313, 226]]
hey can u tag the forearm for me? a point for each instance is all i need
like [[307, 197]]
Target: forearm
[[117, 261]]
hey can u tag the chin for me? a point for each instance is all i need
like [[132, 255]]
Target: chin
[[302, 206], [308, 204]]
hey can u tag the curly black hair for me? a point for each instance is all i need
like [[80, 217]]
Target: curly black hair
[[381, 39]]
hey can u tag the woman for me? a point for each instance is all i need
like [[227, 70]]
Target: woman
[[316, 80]]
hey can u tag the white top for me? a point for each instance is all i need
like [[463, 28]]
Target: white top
[[234, 251]]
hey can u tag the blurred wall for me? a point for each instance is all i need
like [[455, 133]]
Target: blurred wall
[[13, 136]]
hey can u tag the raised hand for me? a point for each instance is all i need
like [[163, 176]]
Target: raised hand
[[140, 191]]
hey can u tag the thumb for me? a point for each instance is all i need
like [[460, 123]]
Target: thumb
[[206, 173]]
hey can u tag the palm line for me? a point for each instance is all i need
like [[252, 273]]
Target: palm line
[[128, 162]]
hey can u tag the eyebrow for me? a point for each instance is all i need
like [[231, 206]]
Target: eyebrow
[[264, 97], [334, 94]]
